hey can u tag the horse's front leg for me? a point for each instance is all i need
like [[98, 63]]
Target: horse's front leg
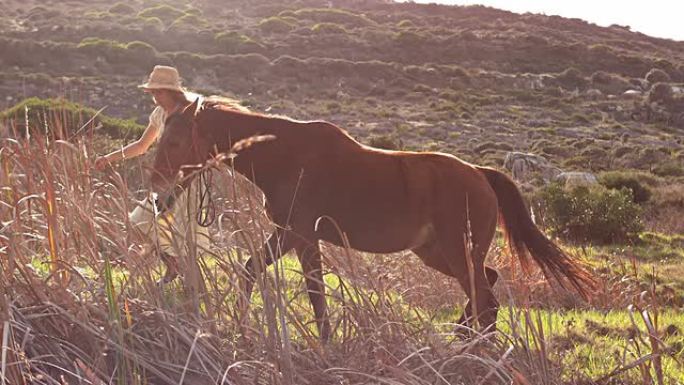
[[277, 245]]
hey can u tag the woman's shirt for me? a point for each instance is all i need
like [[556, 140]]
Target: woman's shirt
[[157, 119]]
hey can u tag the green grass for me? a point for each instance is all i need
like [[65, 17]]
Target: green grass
[[584, 343], [593, 343], [579, 343]]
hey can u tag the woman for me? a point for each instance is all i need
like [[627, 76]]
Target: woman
[[174, 234]]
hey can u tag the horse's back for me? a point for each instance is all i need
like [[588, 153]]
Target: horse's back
[[388, 200]]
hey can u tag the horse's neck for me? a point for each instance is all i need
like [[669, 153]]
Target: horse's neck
[[239, 126]]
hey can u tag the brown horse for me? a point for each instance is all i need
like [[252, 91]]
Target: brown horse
[[317, 178]]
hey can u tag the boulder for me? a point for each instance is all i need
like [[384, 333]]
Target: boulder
[[593, 94], [632, 94], [576, 178], [524, 166]]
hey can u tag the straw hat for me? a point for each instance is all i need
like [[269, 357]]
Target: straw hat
[[164, 78]]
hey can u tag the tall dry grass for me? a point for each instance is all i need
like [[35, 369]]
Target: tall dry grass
[[79, 303]]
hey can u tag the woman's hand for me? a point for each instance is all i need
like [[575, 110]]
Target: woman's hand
[[101, 162]]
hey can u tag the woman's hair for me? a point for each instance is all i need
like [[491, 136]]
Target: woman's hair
[[178, 96]]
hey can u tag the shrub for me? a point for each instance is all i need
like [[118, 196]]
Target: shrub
[[164, 12], [59, 112], [595, 214], [408, 38], [97, 42], [671, 168], [660, 93], [333, 107], [376, 37], [193, 11], [328, 28], [571, 78], [141, 52], [41, 13], [406, 23], [276, 24], [636, 182], [115, 52], [150, 24], [387, 142], [233, 41], [656, 75], [139, 46], [121, 9], [189, 20], [609, 83], [112, 51]]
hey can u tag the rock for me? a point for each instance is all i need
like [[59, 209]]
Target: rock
[[594, 94], [576, 178], [632, 94], [523, 166]]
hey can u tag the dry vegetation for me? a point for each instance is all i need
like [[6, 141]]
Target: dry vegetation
[[79, 304]]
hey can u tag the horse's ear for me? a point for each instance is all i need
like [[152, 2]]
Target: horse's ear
[[191, 109]]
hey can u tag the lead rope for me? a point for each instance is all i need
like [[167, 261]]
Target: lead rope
[[206, 214]]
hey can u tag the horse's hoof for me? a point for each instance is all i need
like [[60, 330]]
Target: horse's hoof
[[164, 281]]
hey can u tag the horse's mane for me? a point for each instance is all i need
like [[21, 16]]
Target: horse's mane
[[224, 102]]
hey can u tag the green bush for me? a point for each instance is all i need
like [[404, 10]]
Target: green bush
[[233, 41], [596, 214], [141, 53], [68, 115], [571, 78], [609, 83], [189, 20], [121, 9], [193, 11], [408, 38], [328, 28], [660, 93], [636, 182], [406, 24], [114, 52], [276, 24], [97, 42], [387, 142], [164, 12], [656, 75], [672, 168]]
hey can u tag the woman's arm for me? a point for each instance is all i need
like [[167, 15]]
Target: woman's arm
[[132, 149]]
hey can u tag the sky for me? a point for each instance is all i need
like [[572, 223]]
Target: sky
[[658, 18]]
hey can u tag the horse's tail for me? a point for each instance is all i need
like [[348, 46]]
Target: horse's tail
[[524, 237]]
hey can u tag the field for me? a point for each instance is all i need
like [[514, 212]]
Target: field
[[79, 303]]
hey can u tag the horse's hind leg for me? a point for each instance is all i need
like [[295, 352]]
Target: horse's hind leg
[[492, 276], [454, 264], [310, 258]]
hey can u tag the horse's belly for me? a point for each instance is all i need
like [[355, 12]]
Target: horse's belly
[[377, 236]]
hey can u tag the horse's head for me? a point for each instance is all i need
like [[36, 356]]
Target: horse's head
[[183, 147]]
